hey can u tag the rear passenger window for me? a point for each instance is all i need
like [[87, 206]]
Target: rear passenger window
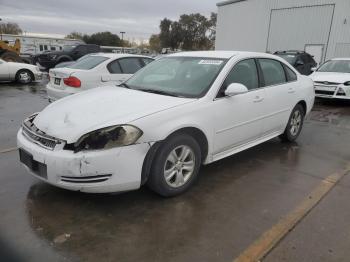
[[273, 72], [130, 65], [114, 67], [244, 72], [291, 76]]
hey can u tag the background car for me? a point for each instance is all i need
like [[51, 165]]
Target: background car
[[48, 60], [332, 79], [160, 126], [93, 71], [68, 63], [300, 60], [19, 72]]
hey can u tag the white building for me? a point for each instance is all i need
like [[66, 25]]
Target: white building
[[320, 27]]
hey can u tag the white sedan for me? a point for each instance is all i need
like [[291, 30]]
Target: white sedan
[[91, 71], [19, 72], [158, 128], [332, 79]]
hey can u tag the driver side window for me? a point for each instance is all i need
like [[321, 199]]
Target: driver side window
[[245, 73]]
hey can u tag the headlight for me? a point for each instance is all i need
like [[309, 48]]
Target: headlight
[[347, 83], [52, 56], [109, 137]]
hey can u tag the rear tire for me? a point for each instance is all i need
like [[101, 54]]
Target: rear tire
[[176, 166], [295, 124], [24, 76]]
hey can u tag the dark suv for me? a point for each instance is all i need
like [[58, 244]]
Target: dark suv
[[69, 53], [301, 61]]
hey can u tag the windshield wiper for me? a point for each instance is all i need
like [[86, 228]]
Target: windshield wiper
[[159, 92], [125, 85]]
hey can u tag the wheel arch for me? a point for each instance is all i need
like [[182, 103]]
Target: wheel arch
[[24, 69], [304, 105], [63, 58], [194, 132]]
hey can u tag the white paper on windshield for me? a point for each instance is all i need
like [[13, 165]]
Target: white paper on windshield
[[210, 62]]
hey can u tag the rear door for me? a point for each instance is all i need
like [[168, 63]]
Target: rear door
[[122, 69], [280, 84], [114, 74]]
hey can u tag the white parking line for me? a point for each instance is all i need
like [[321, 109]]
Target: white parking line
[[268, 240]]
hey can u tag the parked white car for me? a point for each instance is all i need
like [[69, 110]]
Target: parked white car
[[92, 71], [174, 115], [19, 72], [332, 79]]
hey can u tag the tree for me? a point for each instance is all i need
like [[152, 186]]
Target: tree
[[191, 32], [212, 28], [10, 28], [75, 35], [164, 36], [154, 43], [104, 38], [100, 38]]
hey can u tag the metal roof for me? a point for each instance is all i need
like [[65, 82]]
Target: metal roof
[[228, 2]]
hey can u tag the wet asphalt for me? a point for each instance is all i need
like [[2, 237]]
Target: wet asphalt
[[234, 202]]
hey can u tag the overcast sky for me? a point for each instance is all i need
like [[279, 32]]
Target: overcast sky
[[139, 18]]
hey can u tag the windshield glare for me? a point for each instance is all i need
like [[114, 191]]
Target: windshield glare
[[68, 48], [181, 76], [88, 62], [337, 66], [289, 58]]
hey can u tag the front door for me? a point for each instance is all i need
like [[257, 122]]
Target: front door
[[238, 119], [4, 70]]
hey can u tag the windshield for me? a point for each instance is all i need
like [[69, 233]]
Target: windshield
[[338, 66], [178, 76], [67, 48], [288, 57], [88, 62]]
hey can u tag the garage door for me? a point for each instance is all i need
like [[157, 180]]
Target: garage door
[[293, 28]]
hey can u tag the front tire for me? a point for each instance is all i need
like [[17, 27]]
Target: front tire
[[295, 124], [176, 166], [24, 76]]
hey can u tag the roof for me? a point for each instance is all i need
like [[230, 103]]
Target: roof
[[208, 54], [228, 2], [219, 54], [342, 58], [115, 55]]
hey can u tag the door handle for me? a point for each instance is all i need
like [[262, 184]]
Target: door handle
[[258, 99], [291, 90]]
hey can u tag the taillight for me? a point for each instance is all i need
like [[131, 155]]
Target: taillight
[[72, 81]]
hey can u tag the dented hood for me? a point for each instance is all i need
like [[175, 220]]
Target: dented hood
[[76, 115]]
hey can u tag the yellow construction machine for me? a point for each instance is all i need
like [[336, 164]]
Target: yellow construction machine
[[10, 52]]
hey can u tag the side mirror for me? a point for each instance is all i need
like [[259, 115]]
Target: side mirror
[[314, 69], [236, 89]]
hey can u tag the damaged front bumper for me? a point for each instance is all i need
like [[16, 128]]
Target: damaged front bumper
[[101, 171]]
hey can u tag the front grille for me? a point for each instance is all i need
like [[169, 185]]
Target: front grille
[[32, 133], [322, 92], [85, 179], [326, 83]]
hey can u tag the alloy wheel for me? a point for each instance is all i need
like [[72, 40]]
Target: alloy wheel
[[179, 166]]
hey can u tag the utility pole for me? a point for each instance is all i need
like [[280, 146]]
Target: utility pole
[[0, 29], [122, 41]]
